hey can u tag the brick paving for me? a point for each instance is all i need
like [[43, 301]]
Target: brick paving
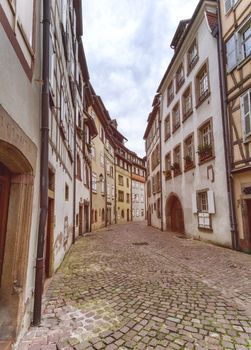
[[134, 287]]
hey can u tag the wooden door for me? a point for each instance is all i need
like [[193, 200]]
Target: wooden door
[[177, 221], [86, 218], [4, 203]]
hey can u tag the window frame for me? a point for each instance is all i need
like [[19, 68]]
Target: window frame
[[187, 93], [205, 153], [200, 98], [192, 64], [175, 126], [246, 135]]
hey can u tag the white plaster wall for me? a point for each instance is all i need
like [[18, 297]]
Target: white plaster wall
[[196, 179], [20, 97]]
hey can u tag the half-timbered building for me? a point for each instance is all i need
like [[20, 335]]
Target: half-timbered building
[[235, 31]]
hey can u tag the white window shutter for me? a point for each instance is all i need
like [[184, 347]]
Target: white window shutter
[[228, 5], [232, 52], [194, 203], [246, 114], [211, 204]]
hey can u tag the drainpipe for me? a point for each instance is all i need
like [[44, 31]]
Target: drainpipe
[[115, 189], [75, 146], [226, 134], [44, 166], [105, 184], [161, 185], [90, 184], [131, 193]]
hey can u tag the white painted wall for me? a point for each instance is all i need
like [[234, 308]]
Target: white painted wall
[[196, 179]]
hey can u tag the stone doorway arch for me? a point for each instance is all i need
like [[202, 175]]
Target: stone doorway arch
[[18, 156], [174, 214]]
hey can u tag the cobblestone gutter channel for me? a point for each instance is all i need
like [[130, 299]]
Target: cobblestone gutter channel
[[160, 293]]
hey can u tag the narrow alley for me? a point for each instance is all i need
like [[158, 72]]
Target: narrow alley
[[134, 287]]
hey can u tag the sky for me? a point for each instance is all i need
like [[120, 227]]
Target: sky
[[127, 46]]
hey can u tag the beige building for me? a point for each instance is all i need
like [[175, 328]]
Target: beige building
[[138, 188], [235, 31]]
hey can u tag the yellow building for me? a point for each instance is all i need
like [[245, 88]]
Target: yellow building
[[235, 30]]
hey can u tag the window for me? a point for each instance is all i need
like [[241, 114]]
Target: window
[[24, 13], [167, 127], [148, 188], [137, 212], [93, 152], [122, 214], [176, 117], [102, 186], [204, 207], [238, 47], [108, 191], [142, 212], [192, 55], [167, 171], [102, 159], [246, 114], [180, 77], [157, 182], [158, 208], [189, 152], [120, 196], [142, 198], [78, 170], [103, 214], [127, 198], [101, 133], [111, 171], [187, 103], [121, 180], [205, 148], [127, 182], [66, 192], [202, 202], [202, 84], [133, 212], [94, 182], [229, 4], [170, 93], [176, 166]]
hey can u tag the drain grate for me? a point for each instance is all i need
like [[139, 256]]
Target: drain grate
[[140, 243]]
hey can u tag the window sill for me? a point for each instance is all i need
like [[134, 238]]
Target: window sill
[[206, 159], [189, 167], [179, 84], [187, 115], [205, 229], [167, 137], [176, 127], [202, 99], [192, 65]]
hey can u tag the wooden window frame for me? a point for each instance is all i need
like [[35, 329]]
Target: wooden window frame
[[167, 135], [170, 97], [192, 64], [201, 98], [168, 171], [179, 82], [176, 166], [189, 163], [205, 153], [175, 126], [187, 92]]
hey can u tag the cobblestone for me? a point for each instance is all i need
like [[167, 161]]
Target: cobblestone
[[172, 293]]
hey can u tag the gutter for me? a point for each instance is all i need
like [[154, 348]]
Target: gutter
[[75, 144], [226, 133], [38, 292]]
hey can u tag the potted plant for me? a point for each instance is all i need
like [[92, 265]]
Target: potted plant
[[167, 174], [204, 151], [188, 161]]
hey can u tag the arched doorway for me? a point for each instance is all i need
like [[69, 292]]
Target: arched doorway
[[149, 216], [128, 215], [174, 215]]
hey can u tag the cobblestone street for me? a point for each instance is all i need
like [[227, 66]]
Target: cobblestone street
[[134, 287]]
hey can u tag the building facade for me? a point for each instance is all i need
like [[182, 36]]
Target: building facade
[[235, 32], [194, 181], [152, 139], [138, 188], [20, 114]]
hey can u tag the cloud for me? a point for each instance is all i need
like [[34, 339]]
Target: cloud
[[127, 45]]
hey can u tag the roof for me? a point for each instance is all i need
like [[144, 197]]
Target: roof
[[181, 41], [179, 32], [212, 21]]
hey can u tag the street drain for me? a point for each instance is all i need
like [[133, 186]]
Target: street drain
[[140, 243]]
